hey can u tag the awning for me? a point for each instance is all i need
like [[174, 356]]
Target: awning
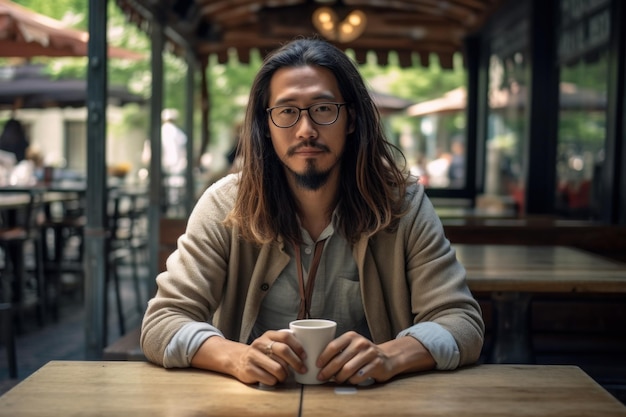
[[571, 97], [25, 34], [27, 87]]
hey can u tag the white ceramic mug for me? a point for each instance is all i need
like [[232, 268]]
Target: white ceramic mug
[[314, 334]]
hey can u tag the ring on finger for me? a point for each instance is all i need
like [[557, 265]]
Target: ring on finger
[[268, 348], [368, 381]]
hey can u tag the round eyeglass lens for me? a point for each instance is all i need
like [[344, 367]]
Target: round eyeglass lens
[[324, 113]]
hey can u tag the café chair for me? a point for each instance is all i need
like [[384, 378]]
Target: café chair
[[127, 240], [64, 221], [20, 243]]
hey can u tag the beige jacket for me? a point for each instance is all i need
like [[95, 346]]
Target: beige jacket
[[406, 277]]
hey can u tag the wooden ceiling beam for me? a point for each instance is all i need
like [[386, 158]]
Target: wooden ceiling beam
[[433, 8], [413, 28]]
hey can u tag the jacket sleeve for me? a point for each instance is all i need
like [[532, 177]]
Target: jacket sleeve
[[437, 280], [190, 288]]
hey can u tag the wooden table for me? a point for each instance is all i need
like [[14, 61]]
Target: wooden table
[[18, 196], [139, 389], [512, 273], [539, 269], [13, 201], [481, 391]]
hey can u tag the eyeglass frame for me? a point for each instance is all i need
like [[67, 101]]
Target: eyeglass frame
[[300, 110]]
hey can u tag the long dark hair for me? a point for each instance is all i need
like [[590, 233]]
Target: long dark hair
[[372, 186], [13, 139]]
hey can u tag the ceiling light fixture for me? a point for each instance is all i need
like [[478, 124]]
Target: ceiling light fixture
[[327, 23]]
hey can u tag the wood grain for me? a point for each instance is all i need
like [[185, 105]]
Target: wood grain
[[539, 269], [120, 388], [480, 391], [141, 389]]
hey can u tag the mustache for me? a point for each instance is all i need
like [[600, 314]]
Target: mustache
[[307, 144]]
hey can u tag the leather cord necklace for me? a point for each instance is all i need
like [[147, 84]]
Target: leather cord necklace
[[306, 291]]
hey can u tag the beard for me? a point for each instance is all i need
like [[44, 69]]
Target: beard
[[312, 179]]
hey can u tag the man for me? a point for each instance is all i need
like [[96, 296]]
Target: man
[[320, 222], [173, 160], [174, 144]]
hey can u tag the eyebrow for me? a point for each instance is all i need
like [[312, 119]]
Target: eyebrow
[[287, 100]]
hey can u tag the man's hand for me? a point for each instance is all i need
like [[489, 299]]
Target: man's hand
[[266, 360], [355, 359]]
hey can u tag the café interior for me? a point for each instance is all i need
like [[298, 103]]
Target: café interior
[[540, 210]]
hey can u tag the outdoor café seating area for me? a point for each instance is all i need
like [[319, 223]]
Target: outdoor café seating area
[[537, 215], [42, 255]]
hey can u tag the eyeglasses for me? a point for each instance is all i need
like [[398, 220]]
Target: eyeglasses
[[320, 113]]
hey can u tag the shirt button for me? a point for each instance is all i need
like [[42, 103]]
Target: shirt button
[[265, 287], [307, 250]]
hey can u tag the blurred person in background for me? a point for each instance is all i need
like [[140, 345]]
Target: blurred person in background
[[173, 160], [13, 139]]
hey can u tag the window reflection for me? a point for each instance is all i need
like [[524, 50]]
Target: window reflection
[[581, 136], [506, 128], [437, 152]]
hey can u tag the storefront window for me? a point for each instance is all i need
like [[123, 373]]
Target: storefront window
[[441, 159], [505, 160], [583, 55], [581, 137]]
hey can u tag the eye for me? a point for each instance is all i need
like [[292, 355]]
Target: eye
[[323, 108], [287, 110]]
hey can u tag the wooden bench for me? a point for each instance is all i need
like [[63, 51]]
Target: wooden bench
[[169, 232], [126, 348]]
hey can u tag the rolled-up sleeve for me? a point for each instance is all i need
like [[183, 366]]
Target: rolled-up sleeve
[[438, 341], [186, 342]]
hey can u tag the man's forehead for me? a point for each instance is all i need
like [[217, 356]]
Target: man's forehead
[[310, 82]]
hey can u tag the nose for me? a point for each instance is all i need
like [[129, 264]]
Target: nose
[[306, 128]]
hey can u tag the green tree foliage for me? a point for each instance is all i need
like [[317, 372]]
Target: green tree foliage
[[69, 11], [415, 83], [230, 85]]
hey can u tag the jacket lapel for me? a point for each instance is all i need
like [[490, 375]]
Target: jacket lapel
[[271, 262], [372, 293]]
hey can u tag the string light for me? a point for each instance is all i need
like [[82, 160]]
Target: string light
[[327, 23]]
